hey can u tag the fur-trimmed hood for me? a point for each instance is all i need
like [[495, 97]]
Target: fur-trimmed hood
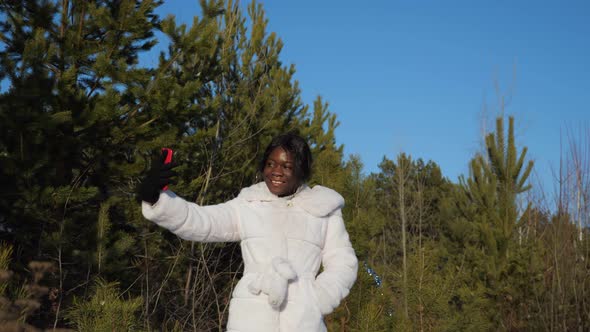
[[318, 201]]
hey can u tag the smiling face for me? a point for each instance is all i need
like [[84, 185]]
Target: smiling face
[[279, 174]]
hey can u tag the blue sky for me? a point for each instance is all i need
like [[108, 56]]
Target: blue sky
[[416, 76]]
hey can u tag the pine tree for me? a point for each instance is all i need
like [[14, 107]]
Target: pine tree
[[319, 130], [487, 223], [375, 228], [229, 94], [70, 122], [369, 305], [81, 120]]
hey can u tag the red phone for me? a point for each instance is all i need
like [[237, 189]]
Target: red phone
[[168, 160]]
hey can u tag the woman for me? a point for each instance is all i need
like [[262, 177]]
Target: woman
[[287, 230]]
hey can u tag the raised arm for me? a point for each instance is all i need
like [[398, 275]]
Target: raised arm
[[340, 266], [211, 223]]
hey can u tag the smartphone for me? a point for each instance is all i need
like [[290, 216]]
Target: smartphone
[[167, 160]]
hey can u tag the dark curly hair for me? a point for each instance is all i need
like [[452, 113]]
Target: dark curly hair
[[297, 146]]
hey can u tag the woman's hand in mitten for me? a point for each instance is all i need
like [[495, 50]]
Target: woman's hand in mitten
[[159, 176]]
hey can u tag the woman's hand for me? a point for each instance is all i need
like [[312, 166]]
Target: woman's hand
[[159, 176]]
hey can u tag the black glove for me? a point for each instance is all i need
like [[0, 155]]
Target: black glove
[[159, 176]]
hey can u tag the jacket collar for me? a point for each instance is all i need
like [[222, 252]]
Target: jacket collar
[[318, 201]]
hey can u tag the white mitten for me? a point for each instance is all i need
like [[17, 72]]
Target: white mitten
[[274, 281]]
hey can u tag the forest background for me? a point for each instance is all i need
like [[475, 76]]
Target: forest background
[[81, 118]]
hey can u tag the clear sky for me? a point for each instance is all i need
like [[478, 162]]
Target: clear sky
[[416, 76]]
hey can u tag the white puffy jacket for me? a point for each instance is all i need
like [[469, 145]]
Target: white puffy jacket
[[284, 241]]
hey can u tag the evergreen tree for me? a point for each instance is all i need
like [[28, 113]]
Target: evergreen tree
[[231, 95], [369, 304], [69, 122], [375, 228], [81, 120], [488, 218], [319, 130]]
